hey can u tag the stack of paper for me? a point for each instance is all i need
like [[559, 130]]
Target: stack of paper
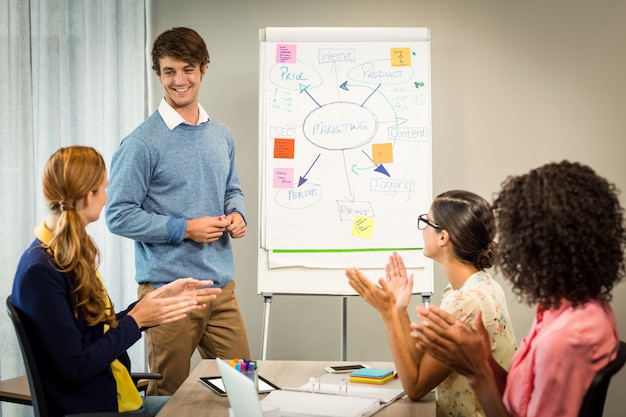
[[300, 404], [372, 376]]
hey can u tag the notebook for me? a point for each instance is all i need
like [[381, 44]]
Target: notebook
[[329, 384], [307, 404], [242, 394], [360, 400]]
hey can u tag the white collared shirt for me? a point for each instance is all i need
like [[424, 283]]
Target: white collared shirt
[[172, 118]]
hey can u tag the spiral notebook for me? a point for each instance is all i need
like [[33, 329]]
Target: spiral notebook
[[301, 404], [360, 400]]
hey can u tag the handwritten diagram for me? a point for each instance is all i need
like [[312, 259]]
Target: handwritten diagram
[[346, 145]]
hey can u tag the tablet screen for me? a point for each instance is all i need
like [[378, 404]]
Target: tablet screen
[[217, 385]]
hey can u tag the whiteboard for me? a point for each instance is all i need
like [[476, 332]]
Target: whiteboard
[[345, 153]]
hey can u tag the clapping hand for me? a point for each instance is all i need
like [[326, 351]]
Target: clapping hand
[[398, 281], [200, 290], [394, 291], [452, 342], [173, 301]]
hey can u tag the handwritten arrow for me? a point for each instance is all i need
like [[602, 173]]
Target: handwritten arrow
[[305, 88], [368, 97], [303, 179], [379, 167]]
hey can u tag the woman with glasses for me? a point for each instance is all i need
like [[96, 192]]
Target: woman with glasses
[[561, 244], [458, 234]]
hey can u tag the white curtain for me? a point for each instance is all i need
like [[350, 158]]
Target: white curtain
[[73, 72]]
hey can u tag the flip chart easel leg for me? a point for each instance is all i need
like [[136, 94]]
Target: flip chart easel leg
[[344, 327], [267, 300]]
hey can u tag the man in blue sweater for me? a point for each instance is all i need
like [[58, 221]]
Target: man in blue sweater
[[174, 190]]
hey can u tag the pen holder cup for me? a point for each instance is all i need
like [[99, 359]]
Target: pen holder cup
[[253, 374]]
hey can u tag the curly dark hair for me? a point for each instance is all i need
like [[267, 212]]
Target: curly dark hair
[[560, 234], [469, 221], [183, 44]]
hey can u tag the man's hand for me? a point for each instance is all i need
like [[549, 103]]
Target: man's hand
[[236, 227], [206, 229]]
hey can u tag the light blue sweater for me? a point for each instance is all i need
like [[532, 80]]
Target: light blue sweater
[[159, 179]]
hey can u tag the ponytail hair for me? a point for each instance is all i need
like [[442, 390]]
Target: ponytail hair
[[470, 223], [69, 176]]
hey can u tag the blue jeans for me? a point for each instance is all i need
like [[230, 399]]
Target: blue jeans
[[152, 404]]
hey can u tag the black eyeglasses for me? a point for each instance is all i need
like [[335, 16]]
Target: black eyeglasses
[[423, 221]]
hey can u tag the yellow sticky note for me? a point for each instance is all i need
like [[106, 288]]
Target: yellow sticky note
[[363, 227], [382, 153], [400, 57]]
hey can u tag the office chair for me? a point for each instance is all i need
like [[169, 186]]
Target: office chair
[[34, 380], [593, 403]]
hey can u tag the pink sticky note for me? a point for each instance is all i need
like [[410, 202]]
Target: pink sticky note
[[285, 54], [283, 178]]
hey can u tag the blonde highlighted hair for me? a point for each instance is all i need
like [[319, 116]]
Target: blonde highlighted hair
[[69, 176]]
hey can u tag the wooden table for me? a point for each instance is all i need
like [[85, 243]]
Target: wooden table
[[195, 399], [15, 390]]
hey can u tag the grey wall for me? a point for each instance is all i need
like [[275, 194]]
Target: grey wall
[[515, 84]]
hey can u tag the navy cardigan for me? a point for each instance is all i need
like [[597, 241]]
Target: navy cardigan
[[73, 358]]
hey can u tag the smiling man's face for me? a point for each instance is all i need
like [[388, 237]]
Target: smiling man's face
[[181, 82]]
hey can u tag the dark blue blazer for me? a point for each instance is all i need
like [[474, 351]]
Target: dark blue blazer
[[73, 358]]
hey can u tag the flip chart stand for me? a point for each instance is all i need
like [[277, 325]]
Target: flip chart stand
[[354, 102], [267, 303]]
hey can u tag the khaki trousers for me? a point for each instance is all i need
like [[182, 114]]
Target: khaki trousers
[[216, 331]]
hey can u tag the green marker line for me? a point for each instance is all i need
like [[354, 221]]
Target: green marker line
[[343, 250]]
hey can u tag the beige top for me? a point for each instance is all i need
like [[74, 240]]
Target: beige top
[[479, 293]]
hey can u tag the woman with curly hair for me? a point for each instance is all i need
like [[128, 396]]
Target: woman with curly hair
[[458, 234], [561, 244], [79, 341]]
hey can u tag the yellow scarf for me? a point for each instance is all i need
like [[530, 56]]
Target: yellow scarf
[[128, 398]]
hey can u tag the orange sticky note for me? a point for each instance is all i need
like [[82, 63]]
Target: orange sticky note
[[382, 153], [400, 57], [284, 148]]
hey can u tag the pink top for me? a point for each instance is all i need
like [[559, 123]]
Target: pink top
[[556, 362]]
